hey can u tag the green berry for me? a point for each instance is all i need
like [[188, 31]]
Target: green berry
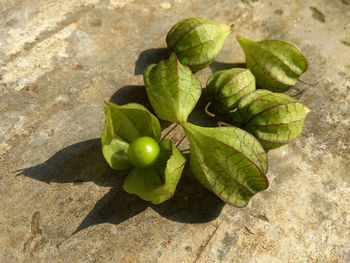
[[143, 152]]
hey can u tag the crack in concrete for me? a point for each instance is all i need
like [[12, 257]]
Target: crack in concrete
[[202, 247], [35, 230]]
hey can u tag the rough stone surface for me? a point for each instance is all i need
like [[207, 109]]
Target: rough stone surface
[[60, 202]]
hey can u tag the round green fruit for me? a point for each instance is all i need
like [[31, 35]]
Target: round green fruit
[[143, 152]]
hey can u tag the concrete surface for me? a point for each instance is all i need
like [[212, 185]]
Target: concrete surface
[[60, 59]]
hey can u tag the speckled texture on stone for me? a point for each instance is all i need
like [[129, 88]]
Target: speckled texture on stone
[[60, 59]]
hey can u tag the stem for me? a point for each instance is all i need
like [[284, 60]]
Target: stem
[[207, 111], [299, 92], [179, 142], [169, 131], [307, 83], [221, 123]]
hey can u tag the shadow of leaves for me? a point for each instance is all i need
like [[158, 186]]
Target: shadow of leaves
[[84, 162], [149, 57], [191, 203], [131, 94], [216, 66]]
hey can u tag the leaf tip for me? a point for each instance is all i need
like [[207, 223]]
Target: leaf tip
[[239, 38], [311, 84], [306, 110], [108, 104], [229, 28], [243, 40]]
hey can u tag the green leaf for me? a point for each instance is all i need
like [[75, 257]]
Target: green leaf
[[228, 161], [158, 183], [226, 87], [115, 153], [275, 119], [172, 89], [123, 125], [276, 64], [197, 41]]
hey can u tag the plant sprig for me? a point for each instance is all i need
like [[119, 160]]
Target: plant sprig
[[229, 161]]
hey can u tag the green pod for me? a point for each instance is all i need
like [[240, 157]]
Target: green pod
[[172, 89], [226, 87], [123, 125], [197, 41], [153, 175], [228, 161], [276, 64], [274, 119]]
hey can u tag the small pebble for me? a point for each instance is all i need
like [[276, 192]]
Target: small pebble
[[165, 5]]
